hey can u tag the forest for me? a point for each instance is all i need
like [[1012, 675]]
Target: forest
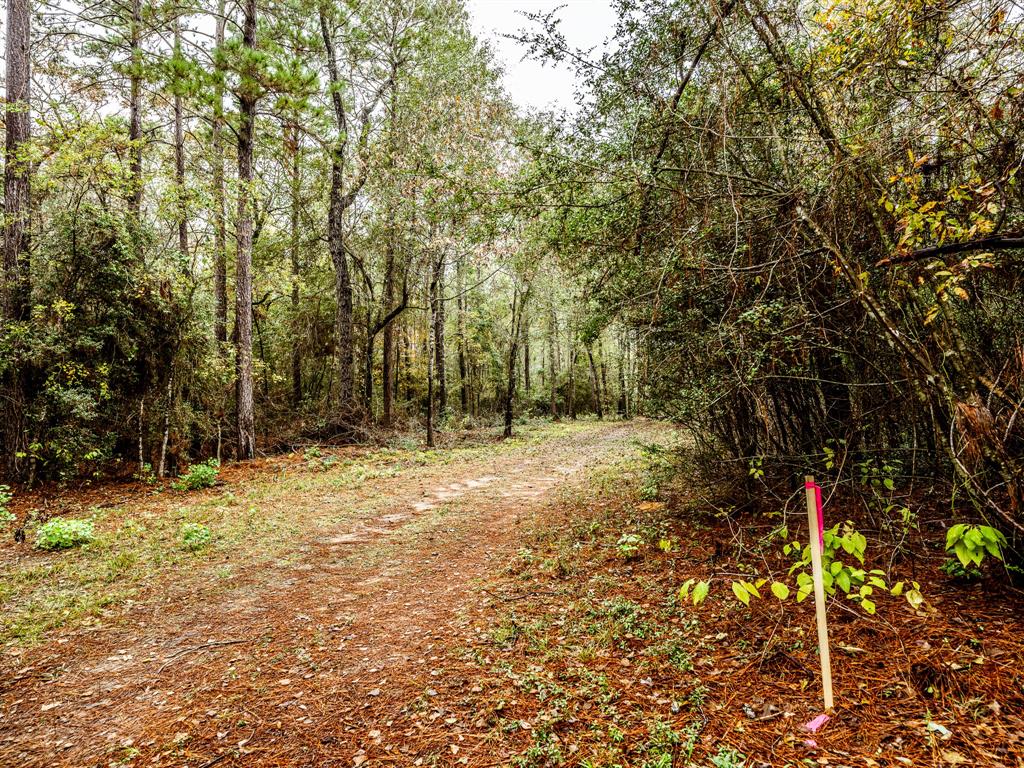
[[303, 312]]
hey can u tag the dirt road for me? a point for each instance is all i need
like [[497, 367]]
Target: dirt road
[[331, 653]]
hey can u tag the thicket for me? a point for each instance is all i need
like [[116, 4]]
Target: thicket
[[812, 216]]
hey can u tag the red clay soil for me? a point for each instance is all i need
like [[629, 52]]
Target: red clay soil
[[336, 656]]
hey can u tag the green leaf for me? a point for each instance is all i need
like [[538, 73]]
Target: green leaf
[[868, 606], [741, 593], [915, 598], [751, 588], [700, 592], [843, 581], [684, 591], [897, 589], [780, 590]]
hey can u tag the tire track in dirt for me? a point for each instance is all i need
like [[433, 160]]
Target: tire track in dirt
[[328, 659]]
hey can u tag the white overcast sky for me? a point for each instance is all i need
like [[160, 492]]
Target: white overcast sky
[[585, 24]]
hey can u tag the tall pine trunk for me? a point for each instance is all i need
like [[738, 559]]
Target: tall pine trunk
[[439, 341], [220, 265], [292, 142], [15, 290], [460, 308], [135, 111], [179, 160], [247, 96], [595, 384]]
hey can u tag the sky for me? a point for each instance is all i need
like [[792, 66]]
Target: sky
[[585, 23]]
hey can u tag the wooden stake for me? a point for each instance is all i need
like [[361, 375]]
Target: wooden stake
[[819, 589]]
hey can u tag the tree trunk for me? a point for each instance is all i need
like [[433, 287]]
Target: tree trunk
[[595, 384], [292, 140], [243, 266], [15, 282], [552, 375], [179, 160], [388, 342], [622, 379], [342, 283], [518, 304], [571, 393], [461, 320], [135, 111], [430, 362], [220, 267], [17, 170], [603, 393], [526, 355], [439, 343]]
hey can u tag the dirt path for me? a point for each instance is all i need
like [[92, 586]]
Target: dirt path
[[333, 654]]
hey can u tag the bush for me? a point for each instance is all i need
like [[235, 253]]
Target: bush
[[202, 475], [6, 516], [64, 533], [195, 536]]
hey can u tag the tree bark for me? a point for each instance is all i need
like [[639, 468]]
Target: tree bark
[[220, 268], [247, 97], [179, 160], [460, 306], [526, 355], [552, 361], [292, 141], [430, 362], [17, 169], [15, 282], [439, 341], [135, 112], [595, 384], [518, 306]]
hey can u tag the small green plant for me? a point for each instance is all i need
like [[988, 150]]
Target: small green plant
[[972, 543], [195, 536], [64, 533], [756, 468], [628, 546], [6, 516], [146, 474], [202, 475], [729, 758], [955, 570]]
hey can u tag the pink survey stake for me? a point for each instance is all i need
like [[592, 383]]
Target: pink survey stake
[[821, 518]]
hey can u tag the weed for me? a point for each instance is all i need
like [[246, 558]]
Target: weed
[[194, 536], [202, 475], [64, 533], [729, 758]]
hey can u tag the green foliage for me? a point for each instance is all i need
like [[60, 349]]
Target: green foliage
[[628, 546], [202, 475], [728, 758], [64, 533], [6, 516], [194, 536], [973, 543]]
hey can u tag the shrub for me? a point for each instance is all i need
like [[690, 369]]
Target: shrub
[[64, 533], [202, 475], [195, 536], [6, 516], [972, 543]]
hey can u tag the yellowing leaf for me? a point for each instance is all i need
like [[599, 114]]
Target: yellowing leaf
[[780, 590], [741, 592], [700, 592]]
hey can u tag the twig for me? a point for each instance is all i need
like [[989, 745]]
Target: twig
[[203, 647]]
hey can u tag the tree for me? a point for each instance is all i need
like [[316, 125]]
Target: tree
[[248, 96]]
